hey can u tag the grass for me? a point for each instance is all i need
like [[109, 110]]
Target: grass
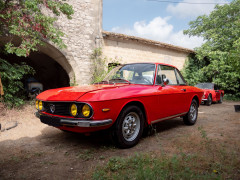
[[86, 155], [150, 166], [201, 159]]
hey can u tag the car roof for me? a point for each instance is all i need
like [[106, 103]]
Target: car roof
[[156, 63]]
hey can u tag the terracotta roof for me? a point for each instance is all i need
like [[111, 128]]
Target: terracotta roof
[[145, 41]]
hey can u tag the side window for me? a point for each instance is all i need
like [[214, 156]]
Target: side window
[[180, 78], [169, 73], [158, 77], [216, 87]]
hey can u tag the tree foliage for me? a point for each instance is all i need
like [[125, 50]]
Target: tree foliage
[[218, 59], [27, 24], [25, 19]]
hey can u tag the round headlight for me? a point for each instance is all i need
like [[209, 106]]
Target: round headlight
[[86, 110], [36, 104], [74, 109], [40, 105]]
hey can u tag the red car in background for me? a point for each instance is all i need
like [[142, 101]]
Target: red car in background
[[212, 93], [130, 98]]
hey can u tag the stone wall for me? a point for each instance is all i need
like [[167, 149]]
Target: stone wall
[[82, 36], [128, 49]]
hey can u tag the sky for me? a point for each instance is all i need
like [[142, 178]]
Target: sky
[[155, 20]]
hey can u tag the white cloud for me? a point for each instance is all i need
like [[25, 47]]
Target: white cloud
[[160, 30], [180, 39], [183, 10]]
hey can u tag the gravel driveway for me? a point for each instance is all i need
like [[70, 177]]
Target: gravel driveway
[[33, 150]]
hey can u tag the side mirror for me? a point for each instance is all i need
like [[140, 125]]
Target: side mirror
[[165, 81]]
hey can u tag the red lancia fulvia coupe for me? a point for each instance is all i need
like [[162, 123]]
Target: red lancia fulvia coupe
[[131, 97], [212, 93]]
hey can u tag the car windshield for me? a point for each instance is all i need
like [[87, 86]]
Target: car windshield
[[205, 85], [142, 73]]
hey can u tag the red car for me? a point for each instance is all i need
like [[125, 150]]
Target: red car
[[212, 93], [131, 97]]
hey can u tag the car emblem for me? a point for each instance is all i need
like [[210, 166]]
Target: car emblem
[[52, 108]]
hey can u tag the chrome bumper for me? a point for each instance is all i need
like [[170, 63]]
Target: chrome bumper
[[58, 121]]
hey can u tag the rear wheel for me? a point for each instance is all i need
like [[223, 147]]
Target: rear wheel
[[129, 127], [191, 117], [209, 100]]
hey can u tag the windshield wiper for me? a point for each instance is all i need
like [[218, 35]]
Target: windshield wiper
[[103, 82], [120, 79]]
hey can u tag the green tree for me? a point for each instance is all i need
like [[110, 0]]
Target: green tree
[[218, 59], [27, 24]]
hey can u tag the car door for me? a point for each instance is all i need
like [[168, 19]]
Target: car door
[[172, 99], [216, 89]]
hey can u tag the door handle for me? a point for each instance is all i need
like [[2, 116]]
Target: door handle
[[183, 90]]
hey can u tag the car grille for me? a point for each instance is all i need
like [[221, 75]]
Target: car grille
[[58, 108], [63, 109]]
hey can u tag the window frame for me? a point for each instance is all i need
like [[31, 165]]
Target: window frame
[[176, 71]]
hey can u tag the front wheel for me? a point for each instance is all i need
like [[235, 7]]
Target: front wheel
[[129, 127], [191, 117]]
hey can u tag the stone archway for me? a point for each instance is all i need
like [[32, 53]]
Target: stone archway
[[52, 67], [59, 57], [48, 71]]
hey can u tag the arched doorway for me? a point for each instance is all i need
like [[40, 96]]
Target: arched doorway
[[51, 66]]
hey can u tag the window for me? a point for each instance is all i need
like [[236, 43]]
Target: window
[[139, 73], [169, 73], [158, 77], [216, 87], [180, 79]]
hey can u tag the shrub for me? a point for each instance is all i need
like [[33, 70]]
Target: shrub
[[12, 76]]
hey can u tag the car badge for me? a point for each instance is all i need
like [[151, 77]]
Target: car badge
[[52, 108]]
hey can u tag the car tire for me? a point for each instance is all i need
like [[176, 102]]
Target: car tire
[[209, 100], [128, 127], [191, 117], [221, 99]]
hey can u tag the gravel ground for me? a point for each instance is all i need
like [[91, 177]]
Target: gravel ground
[[33, 150]]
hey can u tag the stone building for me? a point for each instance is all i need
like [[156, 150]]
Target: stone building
[[83, 33], [126, 49]]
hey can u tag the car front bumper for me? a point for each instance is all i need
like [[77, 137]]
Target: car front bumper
[[59, 121]]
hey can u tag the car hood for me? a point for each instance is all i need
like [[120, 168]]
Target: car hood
[[74, 93]]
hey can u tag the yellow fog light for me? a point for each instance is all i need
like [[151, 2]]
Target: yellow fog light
[[74, 109], [40, 105], [36, 104], [86, 110]]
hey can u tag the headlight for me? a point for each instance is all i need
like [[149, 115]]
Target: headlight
[[36, 104], [86, 110], [40, 105], [74, 109]]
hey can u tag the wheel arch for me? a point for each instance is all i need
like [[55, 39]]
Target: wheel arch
[[197, 99], [213, 96], [141, 106]]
